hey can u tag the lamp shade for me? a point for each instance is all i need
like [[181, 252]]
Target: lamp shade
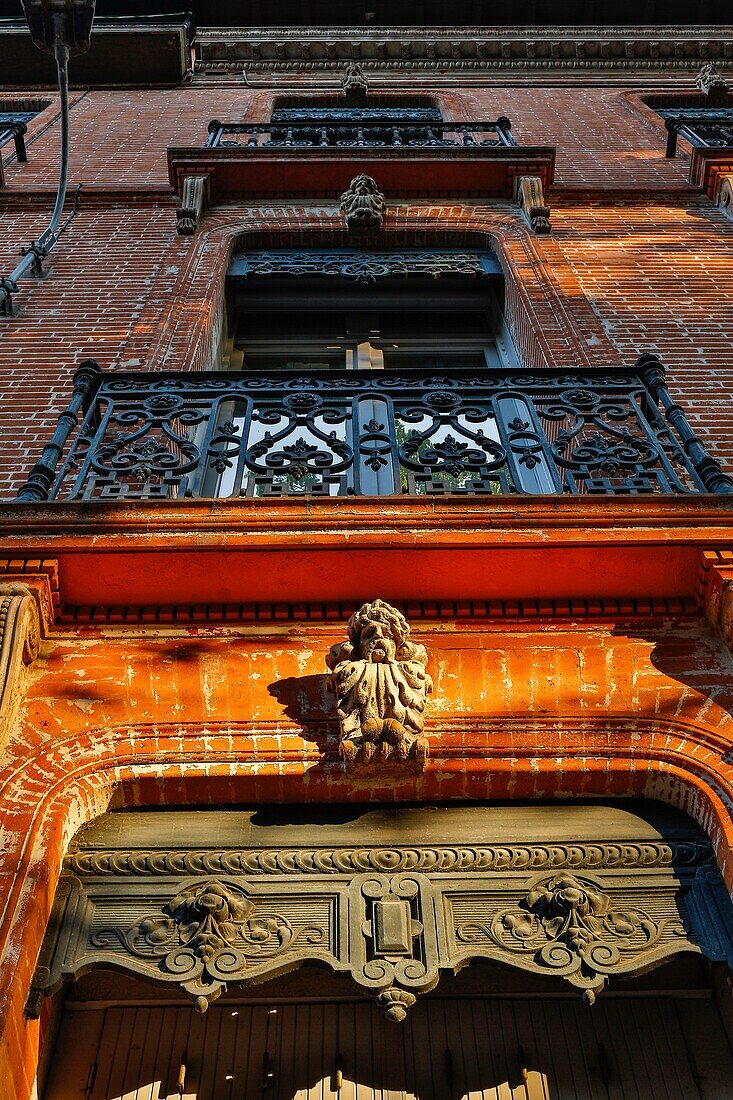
[[60, 22]]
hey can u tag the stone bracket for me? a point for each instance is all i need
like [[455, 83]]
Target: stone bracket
[[27, 610], [194, 198], [529, 194], [724, 193]]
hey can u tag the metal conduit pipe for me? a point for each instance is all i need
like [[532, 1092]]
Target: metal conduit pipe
[[60, 29], [36, 252]]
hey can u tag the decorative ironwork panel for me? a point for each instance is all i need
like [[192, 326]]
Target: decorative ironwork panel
[[363, 267], [323, 129], [706, 128], [381, 433]]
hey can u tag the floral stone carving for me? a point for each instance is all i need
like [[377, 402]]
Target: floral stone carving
[[363, 206], [711, 82], [209, 933], [381, 685], [574, 930]]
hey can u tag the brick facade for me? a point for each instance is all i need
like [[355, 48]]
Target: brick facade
[[578, 650]]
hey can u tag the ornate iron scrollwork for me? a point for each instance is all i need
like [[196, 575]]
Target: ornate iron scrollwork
[[384, 433]]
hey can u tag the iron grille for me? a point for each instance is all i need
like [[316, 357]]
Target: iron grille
[[334, 434], [325, 132], [704, 128]]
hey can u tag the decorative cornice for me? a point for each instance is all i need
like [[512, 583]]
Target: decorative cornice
[[445, 49], [445, 859]]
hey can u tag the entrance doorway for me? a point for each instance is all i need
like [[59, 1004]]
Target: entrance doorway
[[472, 1048]]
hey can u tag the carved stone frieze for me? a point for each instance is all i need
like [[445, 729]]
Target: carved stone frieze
[[193, 199], [446, 859], [381, 686], [529, 195], [20, 635], [362, 206], [392, 919]]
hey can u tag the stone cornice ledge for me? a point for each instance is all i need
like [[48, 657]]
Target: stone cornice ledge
[[232, 552], [266, 50]]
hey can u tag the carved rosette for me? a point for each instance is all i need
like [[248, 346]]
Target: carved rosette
[[20, 636], [574, 930], [381, 685], [209, 933], [362, 206]]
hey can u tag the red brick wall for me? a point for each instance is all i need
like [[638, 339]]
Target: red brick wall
[[622, 273]]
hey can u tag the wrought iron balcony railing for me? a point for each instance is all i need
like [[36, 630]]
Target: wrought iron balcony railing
[[708, 128], [380, 433], [376, 133]]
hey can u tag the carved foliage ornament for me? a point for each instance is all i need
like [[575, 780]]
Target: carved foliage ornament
[[711, 82], [573, 929], [193, 200], [362, 206], [381, 685], [209, 932]]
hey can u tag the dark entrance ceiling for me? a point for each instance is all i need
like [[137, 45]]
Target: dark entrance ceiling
[[436, 13]]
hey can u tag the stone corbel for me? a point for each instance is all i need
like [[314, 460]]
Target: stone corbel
[[27, 608], [194, 196], [363, 207], [724, 194], [20, 636], [528, 193], [716, 583]]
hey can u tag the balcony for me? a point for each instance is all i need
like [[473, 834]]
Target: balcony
[[710, 133], [319, 156], [370, 434]]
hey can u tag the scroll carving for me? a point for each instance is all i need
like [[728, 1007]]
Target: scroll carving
[[381, 686], [362, 206], [193, 200], [572, 928], [209, 932], [20, 635], [531, 199]]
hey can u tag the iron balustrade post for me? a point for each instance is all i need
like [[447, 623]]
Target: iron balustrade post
[[707, 468], [672, 126], [215, 131], [41, 478], [504, 130], [16, 132]]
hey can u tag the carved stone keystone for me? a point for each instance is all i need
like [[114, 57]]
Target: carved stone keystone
[[363, 206], [528, 193], [711, 82], [381, 685], [193, 200], [20, 635], [354, 84]]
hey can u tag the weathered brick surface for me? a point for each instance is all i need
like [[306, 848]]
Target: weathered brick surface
[[207, 715]]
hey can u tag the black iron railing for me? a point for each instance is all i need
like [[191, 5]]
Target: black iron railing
[[711, 128], [15, 132], [379, 433], [385, 133]]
